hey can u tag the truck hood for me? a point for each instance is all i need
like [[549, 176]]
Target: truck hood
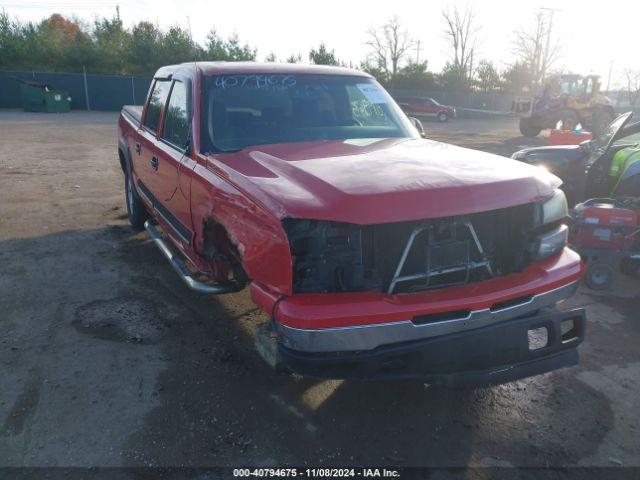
[[369, 181]]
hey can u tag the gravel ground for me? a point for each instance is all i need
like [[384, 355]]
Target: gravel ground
[[106, 359]]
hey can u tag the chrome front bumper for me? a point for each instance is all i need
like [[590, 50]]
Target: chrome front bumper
[[368, 337]]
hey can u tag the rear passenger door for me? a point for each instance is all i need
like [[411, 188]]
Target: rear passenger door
[[143, 153]]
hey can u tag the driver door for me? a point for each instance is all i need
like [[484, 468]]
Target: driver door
[[598, 182]]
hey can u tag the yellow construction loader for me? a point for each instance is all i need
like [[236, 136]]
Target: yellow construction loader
[[565, 102]]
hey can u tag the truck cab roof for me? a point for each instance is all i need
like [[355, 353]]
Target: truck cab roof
[[225, 68]]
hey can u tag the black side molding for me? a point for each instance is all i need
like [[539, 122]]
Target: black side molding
[[180, 228]]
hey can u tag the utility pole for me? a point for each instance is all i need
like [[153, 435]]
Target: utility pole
[[545, 58], [609, 78], [189, 25], [118, 12], [418, 51]]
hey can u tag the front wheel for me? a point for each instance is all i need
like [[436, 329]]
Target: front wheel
[[135, 208], [528, 128], [599, 276], [443, 117]]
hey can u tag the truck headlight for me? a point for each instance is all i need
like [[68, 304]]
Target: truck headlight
[[553, 209], [551, 242]]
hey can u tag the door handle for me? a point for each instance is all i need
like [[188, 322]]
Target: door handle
[[138, 148], [154, 163]]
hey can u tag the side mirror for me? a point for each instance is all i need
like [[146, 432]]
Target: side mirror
[[418, 125]]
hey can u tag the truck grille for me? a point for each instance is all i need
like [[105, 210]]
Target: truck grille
[[407, 257]]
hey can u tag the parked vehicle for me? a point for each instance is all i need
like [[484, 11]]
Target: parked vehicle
[[607, 166], [375, 252], [427, 107], [566, 99]]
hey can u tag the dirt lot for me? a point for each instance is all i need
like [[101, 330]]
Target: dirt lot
[[106, 359]]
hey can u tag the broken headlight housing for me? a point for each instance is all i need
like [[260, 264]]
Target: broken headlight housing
[[552, 233], [327, 256]]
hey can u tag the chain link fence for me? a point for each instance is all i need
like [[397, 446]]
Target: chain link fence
[[111, 92], [87, 92]]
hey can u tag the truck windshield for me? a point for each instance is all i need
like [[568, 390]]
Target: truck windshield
[[240, 111]]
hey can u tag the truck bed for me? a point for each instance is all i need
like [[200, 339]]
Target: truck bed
[[134, 112]]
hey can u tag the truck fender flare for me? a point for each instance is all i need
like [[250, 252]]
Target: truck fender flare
[[125, 156]]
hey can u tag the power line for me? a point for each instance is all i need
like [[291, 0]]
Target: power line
[[59, 6], [52, 6]]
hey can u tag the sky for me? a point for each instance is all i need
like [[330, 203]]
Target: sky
[[596, 36]]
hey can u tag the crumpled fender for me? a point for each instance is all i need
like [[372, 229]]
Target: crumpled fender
[[256, 233]]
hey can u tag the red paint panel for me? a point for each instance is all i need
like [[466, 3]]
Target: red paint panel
[[381, 181]]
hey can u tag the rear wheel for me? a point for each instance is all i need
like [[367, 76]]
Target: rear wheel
[[569, 120], [599, 276], [528, 128], [135, 208]]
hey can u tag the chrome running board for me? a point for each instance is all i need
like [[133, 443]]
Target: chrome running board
[[179, 266]]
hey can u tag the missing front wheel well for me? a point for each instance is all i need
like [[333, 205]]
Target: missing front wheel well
[[222, 254]]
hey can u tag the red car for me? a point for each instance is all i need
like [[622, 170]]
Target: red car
[[375, 252], [427, 107]]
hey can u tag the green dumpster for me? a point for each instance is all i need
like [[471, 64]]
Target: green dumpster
[[39, 97]]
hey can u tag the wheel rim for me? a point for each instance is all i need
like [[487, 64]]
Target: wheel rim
[[600, 277]]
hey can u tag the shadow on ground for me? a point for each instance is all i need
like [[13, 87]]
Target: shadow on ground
[[115, 362]]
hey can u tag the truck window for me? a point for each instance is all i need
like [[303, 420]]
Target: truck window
[[243, 110], [366, 112], [156, 102], [176, 120]]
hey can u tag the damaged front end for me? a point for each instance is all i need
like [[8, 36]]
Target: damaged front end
[[408, 257], [446, 300]]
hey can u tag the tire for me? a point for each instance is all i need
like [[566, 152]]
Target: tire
[[569, 119], [630, 266], [601, 120], [443, 117], [599, 276], [136, 210], [528, 128]]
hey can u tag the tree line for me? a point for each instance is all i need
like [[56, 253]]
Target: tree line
[[62, 44]]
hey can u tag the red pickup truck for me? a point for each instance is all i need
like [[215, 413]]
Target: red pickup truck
[[376, 253]]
